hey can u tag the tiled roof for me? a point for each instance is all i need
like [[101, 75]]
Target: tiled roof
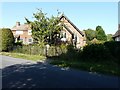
[[71, 23], [117, 33], [68, 29], [21, 27]]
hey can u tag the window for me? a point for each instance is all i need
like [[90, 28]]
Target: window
[[72, 36], [29, 32], [64, 35], [30, 40], [76, 37], [19, 32]]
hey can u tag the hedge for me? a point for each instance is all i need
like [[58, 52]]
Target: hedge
[[7, 39]]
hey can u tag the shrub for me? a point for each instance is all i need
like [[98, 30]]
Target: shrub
[[114, 48], [7, 39], [96, 52], [72, 53], [18, 43]]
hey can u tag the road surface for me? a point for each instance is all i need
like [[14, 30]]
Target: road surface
[[20, 73]]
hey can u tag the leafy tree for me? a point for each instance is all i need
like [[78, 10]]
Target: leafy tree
[[45, 29], [90, 34], [7, 39], [54, 27], [100, 34], [109, 37]]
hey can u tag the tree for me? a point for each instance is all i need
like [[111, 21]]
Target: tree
[[90, 34], [100, 34], [44, 29], [39, 26], [54, 27], [109, 37], [7, 39]]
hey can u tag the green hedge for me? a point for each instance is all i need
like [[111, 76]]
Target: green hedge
[[114, 48], [96, 52], [7, 39], [108, 51]]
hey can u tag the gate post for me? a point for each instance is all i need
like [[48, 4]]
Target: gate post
[[46, 49]]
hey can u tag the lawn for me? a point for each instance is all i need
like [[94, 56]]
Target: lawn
[[24, 56], [107, 68]]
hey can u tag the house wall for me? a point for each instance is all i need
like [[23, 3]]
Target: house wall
[[68, 35], [80, 38], [117, 38], [24, 37]]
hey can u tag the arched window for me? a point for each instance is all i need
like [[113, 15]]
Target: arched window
[[72, 36], [75, 37], [64, 36]]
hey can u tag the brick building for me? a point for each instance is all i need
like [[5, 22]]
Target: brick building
[[70, 33], [22, 32]]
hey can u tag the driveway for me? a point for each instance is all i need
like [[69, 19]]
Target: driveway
[[20, 73]]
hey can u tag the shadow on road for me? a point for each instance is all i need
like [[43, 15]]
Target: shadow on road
[[30, 76], [48, 76]]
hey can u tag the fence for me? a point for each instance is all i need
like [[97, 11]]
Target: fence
[[37, 50]]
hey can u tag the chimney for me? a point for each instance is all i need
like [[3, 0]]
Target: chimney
[[17, 23]]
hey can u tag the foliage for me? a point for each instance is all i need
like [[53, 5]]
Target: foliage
[[71, 52], [95, 36], [7, 39], [106, 67], [109, 37], [18, 43], [44, 29], [100, 34], [36, 49], [108, 51], [95, 41], [100, 58], [30, 49], [114, 48], [96, 52], [90, 34]]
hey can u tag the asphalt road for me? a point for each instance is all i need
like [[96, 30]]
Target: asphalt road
[[20, 73]]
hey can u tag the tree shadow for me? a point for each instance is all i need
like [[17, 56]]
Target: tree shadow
[[37, 75], [42, 75]]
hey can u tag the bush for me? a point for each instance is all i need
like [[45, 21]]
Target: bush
[[114, 48], [72, 53], [18, 43], [7, 39], [96, 52]]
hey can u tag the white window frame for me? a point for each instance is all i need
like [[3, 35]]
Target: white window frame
[[29, 32], [29, 39], [19, 32]]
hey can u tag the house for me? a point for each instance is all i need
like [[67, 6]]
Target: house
[[116, 36], [70, 33], [22, 32]]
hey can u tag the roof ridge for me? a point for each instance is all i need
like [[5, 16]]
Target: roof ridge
[[63, 15]]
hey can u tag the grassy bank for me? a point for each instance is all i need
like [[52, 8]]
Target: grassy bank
[[107, 68], [24, 56]]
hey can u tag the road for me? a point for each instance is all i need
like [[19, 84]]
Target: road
[[20, 73]]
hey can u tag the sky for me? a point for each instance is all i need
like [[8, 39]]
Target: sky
[[83, 14]]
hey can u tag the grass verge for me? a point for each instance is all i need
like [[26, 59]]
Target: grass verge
[[107, 68], [24, 56]]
